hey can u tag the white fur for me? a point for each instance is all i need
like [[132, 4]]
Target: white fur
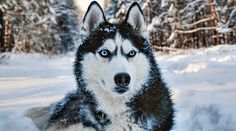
[[96, 68]]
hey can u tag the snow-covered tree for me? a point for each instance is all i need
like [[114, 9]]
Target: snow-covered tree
[[37, 25], [67, 23], [162, 17], [190, 23], [51, 26], [111, 9], [32, 25], [116, 9]]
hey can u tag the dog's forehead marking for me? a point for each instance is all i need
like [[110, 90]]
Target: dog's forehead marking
[[127, 46], [118, 39], [118, 43], [124, 44], [110, 45]]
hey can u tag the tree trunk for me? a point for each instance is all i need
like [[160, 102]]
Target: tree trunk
[[213, 12], [215, 21], [1, 31]]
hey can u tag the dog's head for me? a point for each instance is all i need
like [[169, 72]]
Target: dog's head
[[113, 57]]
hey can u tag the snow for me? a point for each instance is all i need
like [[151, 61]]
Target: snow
[[155, 22], [224, 30], [204, 86], [202, 82], [31, 80]]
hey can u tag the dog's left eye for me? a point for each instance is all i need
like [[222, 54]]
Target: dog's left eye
[[105, 53], [132, 53]]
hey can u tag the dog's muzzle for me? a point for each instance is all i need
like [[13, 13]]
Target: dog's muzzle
[[122, 81]]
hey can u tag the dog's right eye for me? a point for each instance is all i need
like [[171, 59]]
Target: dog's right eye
[[105, 53]]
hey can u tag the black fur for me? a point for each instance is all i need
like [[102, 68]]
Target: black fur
[[70, 111], [152, 103]]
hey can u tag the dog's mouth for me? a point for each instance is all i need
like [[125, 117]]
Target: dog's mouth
[[121, 89]]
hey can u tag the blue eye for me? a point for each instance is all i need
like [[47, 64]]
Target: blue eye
[[104, 53], [132, 53]]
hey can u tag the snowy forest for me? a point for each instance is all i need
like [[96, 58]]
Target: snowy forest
[[52, 26], [184, 23], [47, 26], [194, 44]]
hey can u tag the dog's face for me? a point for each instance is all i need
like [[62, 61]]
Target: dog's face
[[113, 57]]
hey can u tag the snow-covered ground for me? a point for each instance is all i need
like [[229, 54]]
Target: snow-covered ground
[[203, 84], [204, 88]]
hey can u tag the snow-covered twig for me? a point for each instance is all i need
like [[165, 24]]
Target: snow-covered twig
[[198, 22], [201, 21], [192, 4], [218, 29], [231, 17], [166, 48], [195, 30]]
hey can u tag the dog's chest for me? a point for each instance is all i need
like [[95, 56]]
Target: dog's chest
[[118, 123], [117, 112], [122, 122]]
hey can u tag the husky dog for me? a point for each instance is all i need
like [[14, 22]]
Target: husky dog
[[119, 83]]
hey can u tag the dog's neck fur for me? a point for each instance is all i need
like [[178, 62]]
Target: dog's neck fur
[[114, 107], [107, 101]]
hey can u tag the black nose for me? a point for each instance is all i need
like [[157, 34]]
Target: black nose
[[122, 79]]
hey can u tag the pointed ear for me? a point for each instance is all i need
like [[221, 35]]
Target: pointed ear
[[93, 17], [136, 19]]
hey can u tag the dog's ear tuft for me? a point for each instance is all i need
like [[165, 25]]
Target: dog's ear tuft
[[93, 17], [136, 19]]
